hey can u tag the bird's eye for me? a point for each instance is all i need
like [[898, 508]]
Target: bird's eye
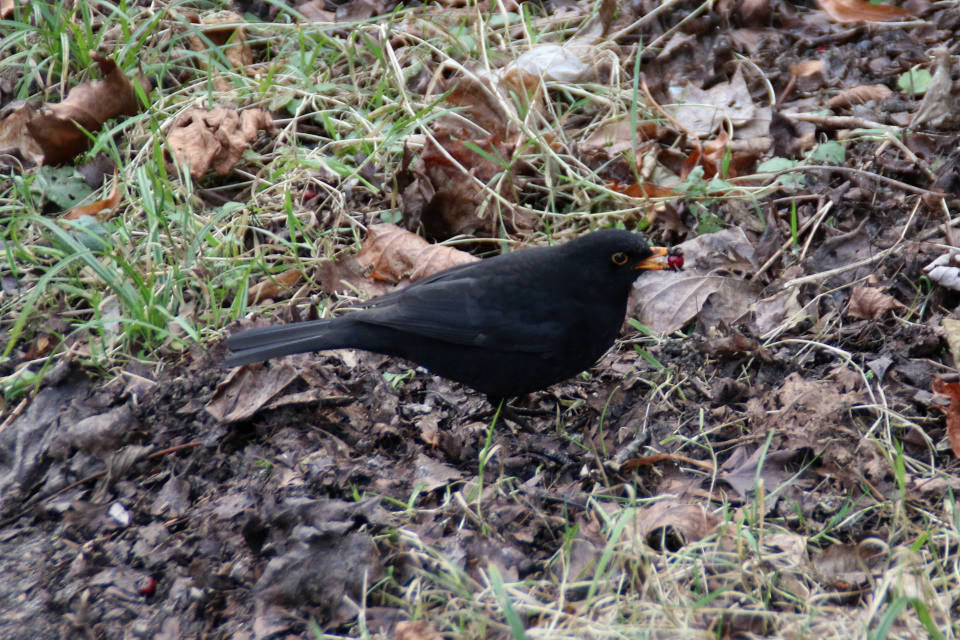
[[619, 259]]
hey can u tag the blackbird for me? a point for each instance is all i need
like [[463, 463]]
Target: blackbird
[[506, 326]]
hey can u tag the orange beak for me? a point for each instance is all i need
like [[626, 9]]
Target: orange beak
[[674, 260]]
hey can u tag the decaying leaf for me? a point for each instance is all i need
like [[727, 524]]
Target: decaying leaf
[[860, 11], [666, 301], [395, 255], [59, 129], [15, 138], [444, 192], [951, 329], [781, 311], [952, 391], [225, 30], [859, 95], [767, 471], [416, 630], [945, 271], [244, 392], [273, 286], [573, 62], [101, 209], [942, 97], [701, 112], [846, 567], [203, 139], [813, 414], [671, 521], [847, 378], [870, 303]]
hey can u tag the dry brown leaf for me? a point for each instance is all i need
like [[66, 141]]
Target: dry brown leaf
[[847, 378], [951, 329], [443, 193], [781, 311], [805, 68], [846, 567], [226, 31], [314, 12], [245, 391], [952, 391], [870, 303], [686, 522], [702, 112], [665, 301], [644, 190], [395, 255], [15, 138], [812, 414], [416, 630], [945, 270], [940, 101], [101, 209], [478, 101], [754, 13], [273, 286], [358, 10], [59, 128], [860, 11], [859, 95], [215, 139], [618, 137], [574, 62]]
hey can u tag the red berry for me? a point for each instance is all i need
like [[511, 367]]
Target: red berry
[[675, 262], [148, 587]]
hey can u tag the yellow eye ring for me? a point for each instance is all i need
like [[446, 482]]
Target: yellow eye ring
[[619, 259]]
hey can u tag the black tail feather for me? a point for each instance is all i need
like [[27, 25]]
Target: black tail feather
[[264, 343]]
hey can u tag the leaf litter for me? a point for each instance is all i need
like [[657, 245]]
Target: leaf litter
[[770, 453]]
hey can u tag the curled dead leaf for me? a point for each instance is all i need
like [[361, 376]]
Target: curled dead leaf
[[101, 209], [951, 329], [395, 255], [225, 30], [859, 95], [666, 301], [952, 391], [870, 303], [15, 138], [60, 129], [273, 286], [702, 111], [672, 522], [945, 271], [204, 139]]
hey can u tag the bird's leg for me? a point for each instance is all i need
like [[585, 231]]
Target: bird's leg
[[501, 409], [510, 413]]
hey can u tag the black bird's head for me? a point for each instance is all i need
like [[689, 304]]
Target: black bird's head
[[615, 255]]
